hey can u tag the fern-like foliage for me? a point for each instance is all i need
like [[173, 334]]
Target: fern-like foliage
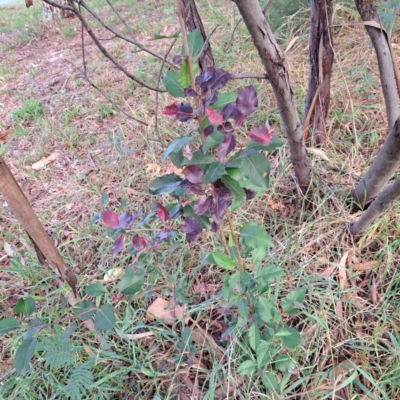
[[79, 382], [388, 13], [58, 355]]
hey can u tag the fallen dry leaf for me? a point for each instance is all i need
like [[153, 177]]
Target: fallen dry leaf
[[373, 290], [339, 309], [166, 311], [342, 271], [44, 161], [8, 249], [365, 266], [4, 134], [136, 336]]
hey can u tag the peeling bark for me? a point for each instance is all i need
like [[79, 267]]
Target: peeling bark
[[194, 21], [274, 62], [379, 206], [321, 60], [379, 40], [381, 170]]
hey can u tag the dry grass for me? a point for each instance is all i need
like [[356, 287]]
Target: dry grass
[[350, 326]]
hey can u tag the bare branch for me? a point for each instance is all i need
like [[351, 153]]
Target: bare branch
[[106, 53], [250, 75], [128, 28], [266, 8], [205, 45]]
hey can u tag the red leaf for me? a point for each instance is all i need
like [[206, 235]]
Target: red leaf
[[247, 102], [171, 110], [110, 218], [194, 174], [117, 246], [215, 117], [261, 134], [138, 242], [162, 212]]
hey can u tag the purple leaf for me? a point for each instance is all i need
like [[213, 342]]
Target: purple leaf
[[162, 212], [177, 60], [125, 219], [200, 79], [178, 213], [261, 134], [192, 228], [209, 130], [238, 118], [110, 218], [201, 205], [247, 101], [117, 246], [137, 215], [193, 174], [171, 110], [221, 201], [220, 79], [226, 146], [185, 113], [163, 234], [196, 189], [138, 242], [215, 117], [229, 111], [226, 127], [213, 98], [250, 194], [189, 92]]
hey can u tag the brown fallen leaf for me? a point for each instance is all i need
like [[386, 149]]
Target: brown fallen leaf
[[342, 273], [4, 134], [136, 336], [44, 161], [339, 310], [365, 266], [166, 311], [113, 273]]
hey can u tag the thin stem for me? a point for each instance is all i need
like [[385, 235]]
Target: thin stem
[[235, 240], [223, 238]]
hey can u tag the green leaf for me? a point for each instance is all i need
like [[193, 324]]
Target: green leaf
[[95, 290], [184, 77], [247, 367], [293, 301], [255, 168], [214, 171], [24, 355], [79, 383], [195, 41], [268, 274], [254, 236], [58, 355], [104, 199], [176, 145], [213, 140], [224, 261], [275, 143], [284, 363], [8, 325], [165, 182], [171, 83], [105, 317], [158, 37], [258, 254], [130, 283], [200, 159], [84, 309], [289, 336], [254, 336], [264, 352], [177, 158], [267, 310], [25, 306], [223, 100], [233, 186], [269, 380], [243, 308]]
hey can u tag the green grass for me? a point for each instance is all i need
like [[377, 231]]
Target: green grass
[[349, 338]]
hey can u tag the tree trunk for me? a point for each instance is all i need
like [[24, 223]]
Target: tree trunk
[[381, 170], [379, 40], [378, 207], [275, 65], [321, 60], [194, 21]]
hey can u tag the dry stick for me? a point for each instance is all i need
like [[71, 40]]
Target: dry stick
[[205, 44], [158, 85], [83, 44], [222, 233], [266, 8], [119, 108], [180, 10]]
